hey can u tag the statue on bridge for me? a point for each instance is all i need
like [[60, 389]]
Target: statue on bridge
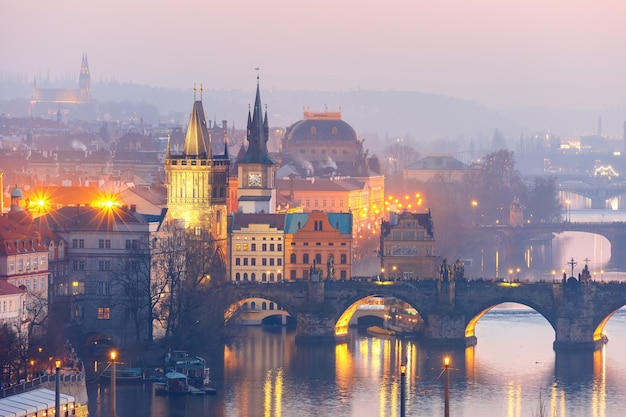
[[444, 271]]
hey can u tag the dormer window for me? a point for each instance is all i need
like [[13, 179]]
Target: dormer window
[[313, 130], [334, 131]]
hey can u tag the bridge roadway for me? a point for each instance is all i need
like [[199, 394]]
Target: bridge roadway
[[450, 310]]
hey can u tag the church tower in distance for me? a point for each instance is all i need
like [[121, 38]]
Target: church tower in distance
[[256, 170], [84, 82], [197, 182]]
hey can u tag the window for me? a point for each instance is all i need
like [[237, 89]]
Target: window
[[271, 247], [20, 265], [237, 261], [104, 313], [78, 287], [292, 258], [81, 243], [238, 246], [292, 274], [263, 261], [104, 288], [305, 258], [318, 258], [245, 261], [237, 276], [252, 261], [279, 261], [279, 247], [344, 259], [264, 247], [264, 277], [271, 261], [315, 203], [323, 203], [253, 247], [344, 275], [104, 243], [35, 263], [78, 265], [245, 246], [104, 265]]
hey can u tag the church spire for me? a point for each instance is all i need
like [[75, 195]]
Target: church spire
[[197, 140], [258, 133]]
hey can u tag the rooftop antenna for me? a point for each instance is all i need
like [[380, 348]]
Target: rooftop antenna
[[257, 75], [201, 90], [194, 91]]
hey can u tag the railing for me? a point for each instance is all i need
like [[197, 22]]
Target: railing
[[24, 386]]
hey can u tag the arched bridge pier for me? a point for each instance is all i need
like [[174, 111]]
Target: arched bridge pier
[[576, 311]]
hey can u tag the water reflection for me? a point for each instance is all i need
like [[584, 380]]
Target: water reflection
[[265, 374]]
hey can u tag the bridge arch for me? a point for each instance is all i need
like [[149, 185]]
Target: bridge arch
[[603, 318], [475, 316], [344, 317]]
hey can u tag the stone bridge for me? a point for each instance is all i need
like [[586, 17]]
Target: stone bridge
[[515, 240], [450, 310]]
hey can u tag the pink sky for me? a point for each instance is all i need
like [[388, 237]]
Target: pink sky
[[499, 52]]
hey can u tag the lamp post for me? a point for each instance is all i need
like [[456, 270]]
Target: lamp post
[[446, 386], [403, 389], [112, 412], [510, 276], [57, 390], [518, 274]]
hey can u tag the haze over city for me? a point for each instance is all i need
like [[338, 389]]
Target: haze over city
[[530, 53]]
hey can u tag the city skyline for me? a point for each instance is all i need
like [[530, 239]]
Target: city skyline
[[532, 53]]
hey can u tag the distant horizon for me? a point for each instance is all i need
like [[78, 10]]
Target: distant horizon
[[557, 54]]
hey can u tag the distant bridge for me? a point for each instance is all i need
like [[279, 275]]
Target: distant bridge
[[597, 189], [576, 312]]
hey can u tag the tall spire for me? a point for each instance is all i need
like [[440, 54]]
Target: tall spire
[[197, 140], [257, 132]]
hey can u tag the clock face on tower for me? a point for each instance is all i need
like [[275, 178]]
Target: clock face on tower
[[254, 179]]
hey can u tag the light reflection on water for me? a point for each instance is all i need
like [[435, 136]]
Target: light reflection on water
[[265, 374]]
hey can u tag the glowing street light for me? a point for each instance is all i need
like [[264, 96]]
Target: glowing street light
[[112, 412], [57, 389], [403, 389], [446, 386]]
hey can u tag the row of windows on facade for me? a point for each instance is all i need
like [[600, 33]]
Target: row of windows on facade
[[323, 151], [264, 261], [316, 203], [11, 307], [105, 265], [37, 283], [217, 192], [265, 277], [105, 244], [103, 313], [397, 235], [253, 247], [293, 259], [26, 264]]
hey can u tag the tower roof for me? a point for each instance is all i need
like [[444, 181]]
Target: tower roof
[[257, 135], [197, 141]]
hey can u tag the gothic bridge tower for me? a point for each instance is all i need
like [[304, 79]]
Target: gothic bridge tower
[[197, 182]]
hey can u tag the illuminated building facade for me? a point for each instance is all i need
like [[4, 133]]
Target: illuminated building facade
[[197, 182], [257, 250], [318, 242], [407, 243]]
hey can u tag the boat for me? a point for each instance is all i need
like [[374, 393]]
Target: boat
[[379, 331], [187, 374]]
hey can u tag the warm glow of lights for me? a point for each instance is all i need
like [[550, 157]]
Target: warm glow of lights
[[113, 355], [446, 361], [57, 363]]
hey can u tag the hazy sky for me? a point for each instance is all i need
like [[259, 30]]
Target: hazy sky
[[555, 53]]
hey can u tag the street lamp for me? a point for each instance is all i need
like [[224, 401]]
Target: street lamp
[[57, 389], [403, 389], [510, 276], [112, 412], [446, 386], [518, 274]]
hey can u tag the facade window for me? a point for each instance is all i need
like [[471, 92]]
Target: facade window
[[253, 261], [271, 261], [238, 246], [305, 258], [279, 261], [245, 261], [279, 247], [104, 265], [318, 258], [272, 277], [253, 247], [237, 276], [79, 312], [323, 203], [315, 203], [237, 261], [104, 313], [81, 243], [35, 263], [78, 265], [74, 243], [245, 276], [292, 274], [292, 258], [340, 203], [20, 265], [264, 247], [344, 275], [253, 276], [11, 266], [78, 287], [104, 243], [245, 247], [264, 277], [344, 259], [263, 261], [104, 288], [271, 247]]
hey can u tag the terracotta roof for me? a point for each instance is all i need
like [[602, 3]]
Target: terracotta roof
[[240, 220], [9, 289]]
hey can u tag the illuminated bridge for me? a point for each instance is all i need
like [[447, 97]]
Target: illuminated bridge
[[576, 312]]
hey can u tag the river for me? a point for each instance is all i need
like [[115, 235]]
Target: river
[[508, 373]]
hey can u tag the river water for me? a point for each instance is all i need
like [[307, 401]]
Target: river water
[[508, 374]]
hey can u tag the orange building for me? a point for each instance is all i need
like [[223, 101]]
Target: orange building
[[318, 242]]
